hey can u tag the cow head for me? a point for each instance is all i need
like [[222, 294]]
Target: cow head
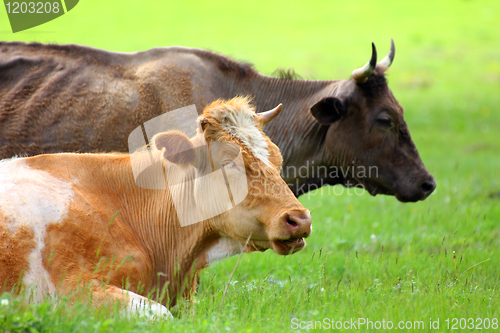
[[368, 136], [268, 214]]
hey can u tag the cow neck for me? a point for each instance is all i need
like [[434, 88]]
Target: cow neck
[[298, 135], [177, 252]]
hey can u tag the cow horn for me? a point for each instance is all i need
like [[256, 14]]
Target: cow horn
[[387, 61], [267, 116], [361, 74]]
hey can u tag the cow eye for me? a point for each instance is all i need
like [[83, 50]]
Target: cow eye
[[384, 121]]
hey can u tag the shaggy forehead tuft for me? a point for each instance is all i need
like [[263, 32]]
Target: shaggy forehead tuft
[[237, 117]]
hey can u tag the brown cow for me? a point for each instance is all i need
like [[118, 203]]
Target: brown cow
[[68, 220], [56, 98]]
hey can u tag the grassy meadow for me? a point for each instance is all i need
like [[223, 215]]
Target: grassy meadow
[[368, 257]]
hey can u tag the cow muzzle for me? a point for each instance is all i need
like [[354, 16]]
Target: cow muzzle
[[297, 226], [417, 191]]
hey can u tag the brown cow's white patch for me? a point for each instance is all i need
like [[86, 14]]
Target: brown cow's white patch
[[32, 199]]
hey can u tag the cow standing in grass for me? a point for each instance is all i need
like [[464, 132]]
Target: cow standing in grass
[[68, 220], [63, 98]]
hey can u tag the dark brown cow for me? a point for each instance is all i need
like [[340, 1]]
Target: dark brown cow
[[57, 98]]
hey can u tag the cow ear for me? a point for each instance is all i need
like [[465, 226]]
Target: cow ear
[[329, 110], [176, 147]]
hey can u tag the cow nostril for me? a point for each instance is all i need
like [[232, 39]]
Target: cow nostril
[[299, 224], [428, 187], [290, 221]]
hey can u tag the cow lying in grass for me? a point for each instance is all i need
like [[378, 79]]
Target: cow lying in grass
[[68, 220]]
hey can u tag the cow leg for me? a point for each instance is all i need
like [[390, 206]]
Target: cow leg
[[134, 304]]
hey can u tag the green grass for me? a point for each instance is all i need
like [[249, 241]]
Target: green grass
[[368, 257]]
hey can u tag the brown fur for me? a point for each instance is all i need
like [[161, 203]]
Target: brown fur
[[100, 248], [15, 248], [375, 85]]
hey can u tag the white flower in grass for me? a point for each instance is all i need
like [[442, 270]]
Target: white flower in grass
[[4, 302]]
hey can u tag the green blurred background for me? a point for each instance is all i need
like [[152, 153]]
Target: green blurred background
[[367, 256]]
